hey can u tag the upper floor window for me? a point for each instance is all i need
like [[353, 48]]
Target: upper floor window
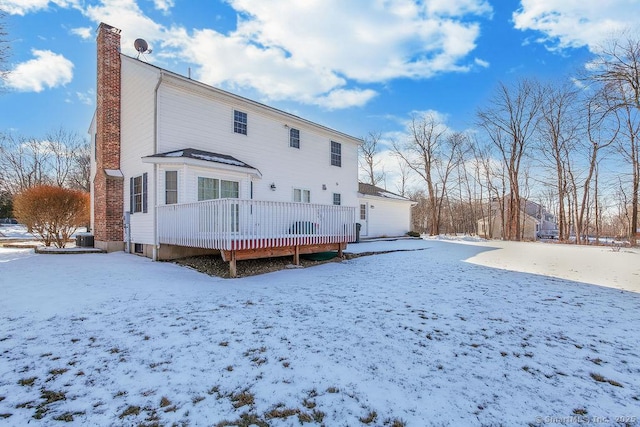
[[301, 196], [336, 154], [239, 122], [336, 199], [171, 187], [294, 138]]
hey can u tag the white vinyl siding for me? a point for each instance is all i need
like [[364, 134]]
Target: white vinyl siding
[[161, 114], [137, 129], [387, 217], [195, 118]]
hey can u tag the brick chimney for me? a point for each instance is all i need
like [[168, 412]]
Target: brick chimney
[[108, 183]]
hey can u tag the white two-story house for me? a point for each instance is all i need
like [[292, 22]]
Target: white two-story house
[[181, 168]]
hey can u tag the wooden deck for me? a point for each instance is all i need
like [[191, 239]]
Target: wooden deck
[[268, 252], [249, 229]]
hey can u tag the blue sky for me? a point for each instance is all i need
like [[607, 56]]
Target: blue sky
[[356, 66]]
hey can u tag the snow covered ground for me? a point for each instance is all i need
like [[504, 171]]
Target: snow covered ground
[[440, 333]]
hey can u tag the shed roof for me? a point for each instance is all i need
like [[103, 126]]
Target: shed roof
[[372, 190]]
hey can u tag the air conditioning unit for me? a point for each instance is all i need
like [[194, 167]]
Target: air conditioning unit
[[84, 240]]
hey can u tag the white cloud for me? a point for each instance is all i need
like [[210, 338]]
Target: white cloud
[[163, 5], [87, 97], [83, 32], [576, 23], [362, 40], [313, 52], [481, 63], [128, 17], [22, 7], [47, 69], [457, 7], [344, 98]]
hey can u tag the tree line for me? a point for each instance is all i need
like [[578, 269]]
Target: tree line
[[45, 183], [61, 158], [572, 146]]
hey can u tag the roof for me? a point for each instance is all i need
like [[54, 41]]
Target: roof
[[372, 190], [193, 154]]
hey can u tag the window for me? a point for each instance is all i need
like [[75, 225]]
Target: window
[[138, 193], [336, 154], [336, 199], [171, 187], [294, 138], [207, 188], [229, 189], [301, 196], [363, 212], [211, 188], [239, 122]]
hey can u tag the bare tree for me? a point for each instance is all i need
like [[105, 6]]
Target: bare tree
[[629, 146], [617, 68], [429, 154], [23, 163], [80, 175], [368, 163], [403, 180], [483, 177], [601, 133], [63, 146], [559, 132], [510, 122], [62, 159]]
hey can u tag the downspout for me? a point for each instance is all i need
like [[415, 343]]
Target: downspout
[[156, 244]]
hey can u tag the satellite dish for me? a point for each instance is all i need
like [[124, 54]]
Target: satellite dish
[[141, 45]]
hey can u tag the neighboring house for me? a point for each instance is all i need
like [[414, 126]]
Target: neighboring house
[[534, 220], [490, 227], [546, 220], [181, 168], [383, 213]]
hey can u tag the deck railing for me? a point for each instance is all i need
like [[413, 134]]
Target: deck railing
[[235, 224]]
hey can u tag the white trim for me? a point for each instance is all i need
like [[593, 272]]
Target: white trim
[[187, 161], [114, 172]]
